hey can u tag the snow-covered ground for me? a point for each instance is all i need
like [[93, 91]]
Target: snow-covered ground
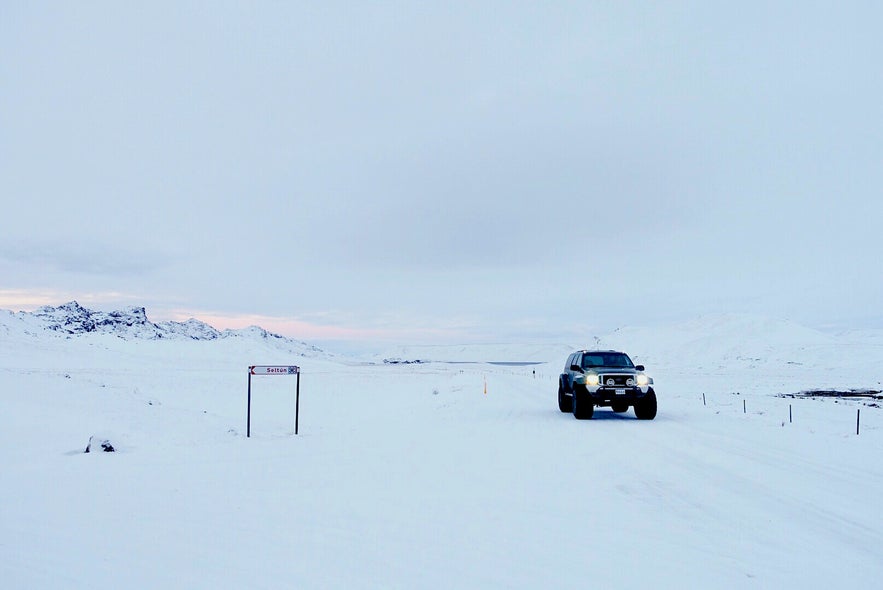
[[411, 476]]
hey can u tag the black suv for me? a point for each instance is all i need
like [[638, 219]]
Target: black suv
[[605, 378]]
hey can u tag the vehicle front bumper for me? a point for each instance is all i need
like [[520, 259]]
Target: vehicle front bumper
[[603, 396]]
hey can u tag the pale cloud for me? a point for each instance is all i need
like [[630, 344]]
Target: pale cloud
[[80, 255]]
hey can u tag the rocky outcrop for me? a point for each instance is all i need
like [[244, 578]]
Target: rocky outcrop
[[132, 323]]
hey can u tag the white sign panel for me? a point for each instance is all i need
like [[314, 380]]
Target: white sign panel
[[280, 370]]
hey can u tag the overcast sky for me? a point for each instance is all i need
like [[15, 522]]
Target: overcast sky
[[420, 172]]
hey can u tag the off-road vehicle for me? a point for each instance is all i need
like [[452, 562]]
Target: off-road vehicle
[[605, 378]]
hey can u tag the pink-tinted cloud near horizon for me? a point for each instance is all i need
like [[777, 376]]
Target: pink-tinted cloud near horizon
[[306, 330]]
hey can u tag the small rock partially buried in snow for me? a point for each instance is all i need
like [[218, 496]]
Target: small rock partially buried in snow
[[96, 443]]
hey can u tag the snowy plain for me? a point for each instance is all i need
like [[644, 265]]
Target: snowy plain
[[450, 473]]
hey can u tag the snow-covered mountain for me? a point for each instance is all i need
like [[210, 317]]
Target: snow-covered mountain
[[71, 319]]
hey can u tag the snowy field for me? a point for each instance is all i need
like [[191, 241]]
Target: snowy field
[[411, 476]]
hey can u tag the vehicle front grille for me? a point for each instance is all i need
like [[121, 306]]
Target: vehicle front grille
[[618, 380]]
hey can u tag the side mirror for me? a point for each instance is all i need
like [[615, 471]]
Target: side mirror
[[639, 367], [576, 368]]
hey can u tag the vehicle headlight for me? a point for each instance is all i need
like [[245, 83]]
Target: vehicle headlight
[[592, 379], [643, 380]]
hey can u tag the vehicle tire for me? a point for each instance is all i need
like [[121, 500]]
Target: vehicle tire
[[645, 408], [565, 404], [582, 405], [619, 407]]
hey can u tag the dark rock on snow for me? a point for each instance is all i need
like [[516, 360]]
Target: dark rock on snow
[[97, 444]]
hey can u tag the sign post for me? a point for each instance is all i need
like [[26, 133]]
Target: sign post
[[273, 370]]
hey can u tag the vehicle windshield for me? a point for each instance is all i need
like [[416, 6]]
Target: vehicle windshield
[[607, 359]]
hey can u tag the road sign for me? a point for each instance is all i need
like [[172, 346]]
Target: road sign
[[274, 370], [266, 370]]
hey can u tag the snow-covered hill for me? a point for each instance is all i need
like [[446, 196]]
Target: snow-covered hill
[[748, 352], [132, 323], [431, 475], [755, 353]]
